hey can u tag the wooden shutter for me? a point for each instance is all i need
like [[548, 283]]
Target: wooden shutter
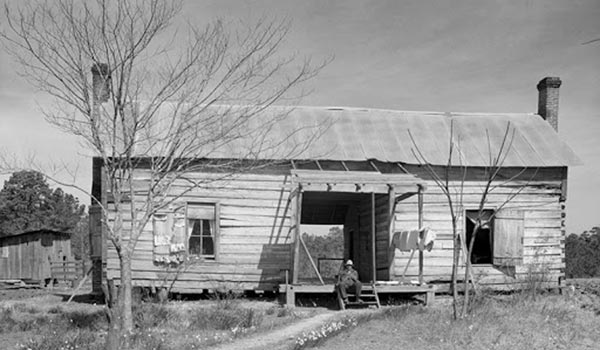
[[508, 237]]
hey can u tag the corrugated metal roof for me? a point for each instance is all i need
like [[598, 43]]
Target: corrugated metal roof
[[357, 134]]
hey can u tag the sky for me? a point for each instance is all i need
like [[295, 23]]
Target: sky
[[449, 56]]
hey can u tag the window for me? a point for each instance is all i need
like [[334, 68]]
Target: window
[[4, 251], [483, 247], [499, 239], [203, 229]]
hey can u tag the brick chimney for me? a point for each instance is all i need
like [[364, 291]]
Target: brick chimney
[[548, 100], [100, 82]]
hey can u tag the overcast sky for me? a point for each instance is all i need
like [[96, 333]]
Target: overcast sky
[[458, 56]]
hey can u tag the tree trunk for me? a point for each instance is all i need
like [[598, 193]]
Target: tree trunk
[[113, 338], [467, 288], [455, 262], [468, 276], [125, 295], [120, 313]]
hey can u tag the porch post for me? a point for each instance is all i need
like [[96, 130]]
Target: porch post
[[373, 240], [390, 228], [298, 217], [420, 213]]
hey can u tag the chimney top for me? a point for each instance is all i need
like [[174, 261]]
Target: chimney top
[[549, 82], [100, 82], [548, 89], [100, 69]]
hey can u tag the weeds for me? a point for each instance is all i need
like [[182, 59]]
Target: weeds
[[24, 308], [80, 339], [11, 320], [218, 318], [163, 326], [319, 335], [286, 312], [149, 315], [502, 322], [7, 321], [94, 321]]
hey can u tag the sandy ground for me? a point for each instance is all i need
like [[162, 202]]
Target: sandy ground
[[285, 338]]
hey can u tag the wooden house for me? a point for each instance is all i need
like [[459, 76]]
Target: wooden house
[[364, 173], [28, 256]]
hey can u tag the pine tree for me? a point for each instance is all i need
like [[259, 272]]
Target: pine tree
[[28, 203]]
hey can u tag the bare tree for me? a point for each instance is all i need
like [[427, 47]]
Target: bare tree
[[158, 105], [454, 188]]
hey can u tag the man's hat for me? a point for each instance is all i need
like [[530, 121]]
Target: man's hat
[[349, 262]]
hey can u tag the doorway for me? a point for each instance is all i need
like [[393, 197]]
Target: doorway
[[364, 219]]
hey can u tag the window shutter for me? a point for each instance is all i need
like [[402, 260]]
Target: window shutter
[[508, 237]]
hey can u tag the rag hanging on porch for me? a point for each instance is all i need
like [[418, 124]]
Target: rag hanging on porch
[[427, 239], [406, 241]]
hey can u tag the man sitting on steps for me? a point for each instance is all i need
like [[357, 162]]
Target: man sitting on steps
[[347, 279]]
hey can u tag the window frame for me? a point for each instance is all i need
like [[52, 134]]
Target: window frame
[[216, 235], [490, 221], [4, 252]]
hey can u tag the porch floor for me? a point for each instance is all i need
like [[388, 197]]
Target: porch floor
[[307, 288]]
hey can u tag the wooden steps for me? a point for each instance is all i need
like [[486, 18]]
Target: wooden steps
[[368, 296]]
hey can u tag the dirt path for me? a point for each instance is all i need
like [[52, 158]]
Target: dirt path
[[280, 338], [285, 338]]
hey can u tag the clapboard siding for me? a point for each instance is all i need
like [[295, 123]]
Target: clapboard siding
[[256, 230], [254, 237], [543, 241]]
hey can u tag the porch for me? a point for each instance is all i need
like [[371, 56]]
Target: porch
[[290, 290], [364, 204]]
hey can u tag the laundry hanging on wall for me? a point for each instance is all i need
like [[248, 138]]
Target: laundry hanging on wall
[[169, 231], [406, 241]]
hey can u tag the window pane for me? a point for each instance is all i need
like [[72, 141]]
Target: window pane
[[196, 228], [206, 228], [207, 246], [195, 242], [194, 245], [207, 239]]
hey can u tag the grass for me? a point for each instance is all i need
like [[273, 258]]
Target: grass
[[507, 322], [165, 326], [515, 321]]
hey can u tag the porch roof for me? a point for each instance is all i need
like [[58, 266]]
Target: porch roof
[[354, 181]]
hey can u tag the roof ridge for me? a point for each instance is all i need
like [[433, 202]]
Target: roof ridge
[[442, 113], [374, 109]]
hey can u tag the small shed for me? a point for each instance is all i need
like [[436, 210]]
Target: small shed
[[28, 256]]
